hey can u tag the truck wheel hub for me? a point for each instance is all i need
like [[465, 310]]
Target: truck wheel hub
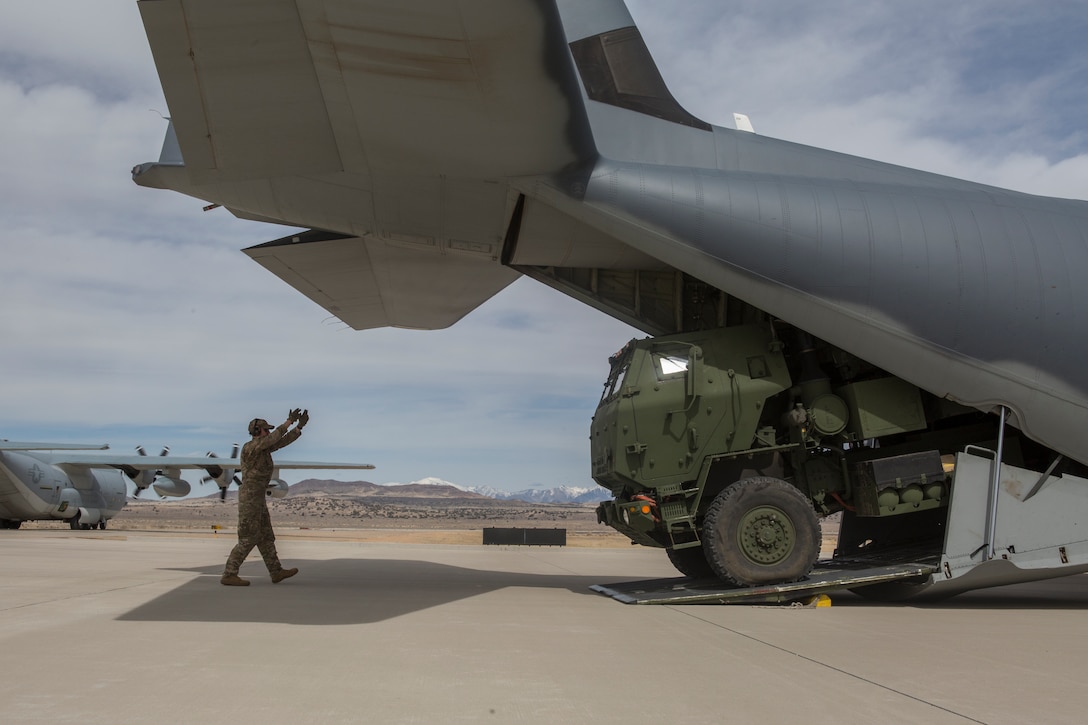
[[766, 535]]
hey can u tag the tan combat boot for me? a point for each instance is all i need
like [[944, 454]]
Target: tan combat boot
[[283, 574], [233, 580]]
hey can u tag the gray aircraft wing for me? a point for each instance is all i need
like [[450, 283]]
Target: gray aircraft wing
[[152, 463], [71, 455], [441, 148], [392, 124], [21, 446]]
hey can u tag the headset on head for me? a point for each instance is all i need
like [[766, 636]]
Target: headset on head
[[257, 425]]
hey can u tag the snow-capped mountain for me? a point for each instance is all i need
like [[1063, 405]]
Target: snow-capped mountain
[[559, 494]]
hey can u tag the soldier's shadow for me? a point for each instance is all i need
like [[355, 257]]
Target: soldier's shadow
[[338, 591]]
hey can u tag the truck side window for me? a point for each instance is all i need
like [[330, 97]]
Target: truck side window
[[670, 364]]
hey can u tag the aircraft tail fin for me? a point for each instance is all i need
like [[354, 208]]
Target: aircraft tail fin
[[616, 68], [626, 97]]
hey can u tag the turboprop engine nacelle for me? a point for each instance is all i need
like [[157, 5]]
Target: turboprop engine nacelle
[[175, 487], [223, 477], [277, 488]]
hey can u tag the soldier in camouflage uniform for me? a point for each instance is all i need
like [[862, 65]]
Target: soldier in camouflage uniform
[[254, 524]]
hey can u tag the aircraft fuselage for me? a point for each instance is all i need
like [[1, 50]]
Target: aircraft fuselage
[[31, 488]]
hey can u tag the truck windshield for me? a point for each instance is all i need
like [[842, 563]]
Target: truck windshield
[[619, 364]]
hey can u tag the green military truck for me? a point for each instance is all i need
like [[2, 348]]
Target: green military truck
[[726, 446]]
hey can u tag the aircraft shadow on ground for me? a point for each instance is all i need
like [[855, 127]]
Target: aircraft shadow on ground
[[1062, 593], [338, 591], [1070, 592], [364, 591]]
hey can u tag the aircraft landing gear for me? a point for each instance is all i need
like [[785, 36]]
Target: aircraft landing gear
[[78, 525]]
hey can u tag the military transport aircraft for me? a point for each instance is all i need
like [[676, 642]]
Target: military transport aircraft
[[43, 481], [888, 327]]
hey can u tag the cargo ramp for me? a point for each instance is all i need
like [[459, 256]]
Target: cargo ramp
[[828, 576]]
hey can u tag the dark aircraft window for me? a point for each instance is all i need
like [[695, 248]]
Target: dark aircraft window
[[617, 68]]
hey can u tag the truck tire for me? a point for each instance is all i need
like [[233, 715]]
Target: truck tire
[[761, 530], [691, 562]]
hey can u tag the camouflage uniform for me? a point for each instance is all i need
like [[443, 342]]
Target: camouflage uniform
[[254, 523]]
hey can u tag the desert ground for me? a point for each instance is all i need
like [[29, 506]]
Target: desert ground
[[414, 519], [408, 520], [360, 518]]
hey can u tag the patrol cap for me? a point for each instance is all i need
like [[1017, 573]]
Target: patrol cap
[[257, 425]]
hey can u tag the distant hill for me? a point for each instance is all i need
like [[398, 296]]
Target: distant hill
[[365, 488], [437, 488], [338, 488]]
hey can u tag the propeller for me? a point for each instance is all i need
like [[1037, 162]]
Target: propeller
[[143, 479], [224, 477]]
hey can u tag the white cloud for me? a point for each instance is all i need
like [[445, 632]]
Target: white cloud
[[955, 88], [98, 45]]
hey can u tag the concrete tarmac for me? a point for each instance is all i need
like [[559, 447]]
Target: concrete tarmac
[[104, 627]]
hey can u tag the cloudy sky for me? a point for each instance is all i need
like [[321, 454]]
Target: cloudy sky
[[129, 316]]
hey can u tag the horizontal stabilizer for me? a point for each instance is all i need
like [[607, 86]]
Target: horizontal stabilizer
[[417, 283]]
